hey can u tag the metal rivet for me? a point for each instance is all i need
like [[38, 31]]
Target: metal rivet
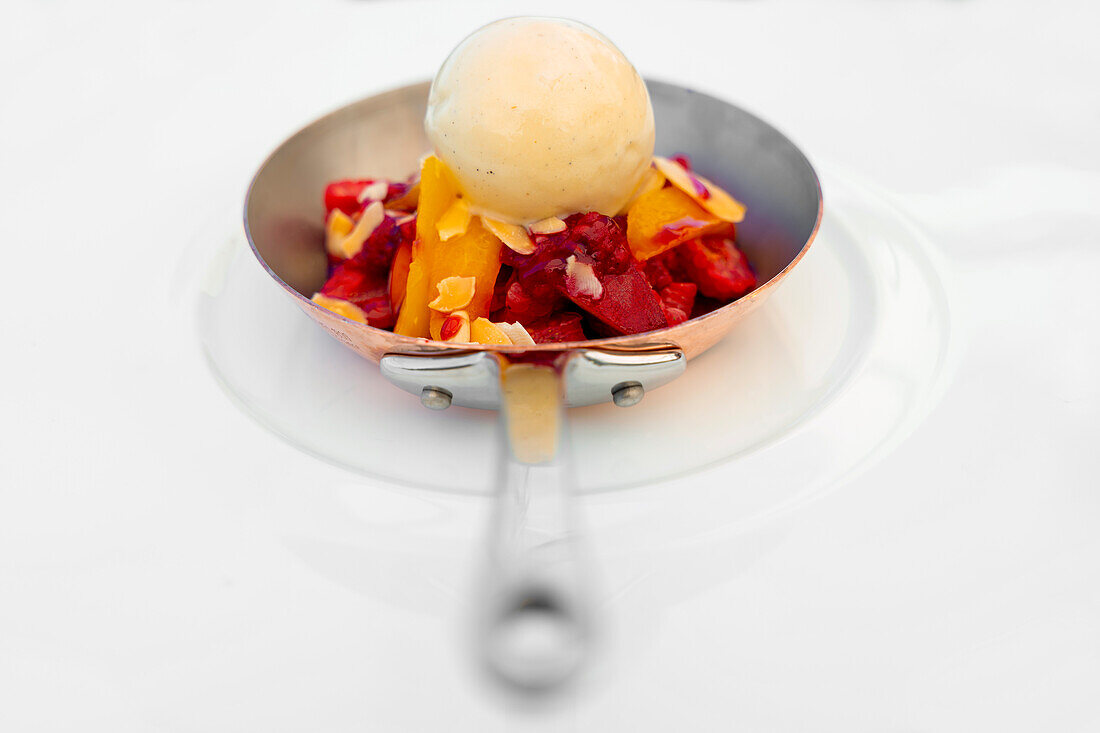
[[627, 394], [435, 398]]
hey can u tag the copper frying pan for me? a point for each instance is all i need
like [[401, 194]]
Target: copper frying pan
[[534, 577]]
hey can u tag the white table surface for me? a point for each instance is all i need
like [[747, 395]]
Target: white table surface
[[166, 564]]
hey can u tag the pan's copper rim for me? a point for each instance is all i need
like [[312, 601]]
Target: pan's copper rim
[[647, 339]]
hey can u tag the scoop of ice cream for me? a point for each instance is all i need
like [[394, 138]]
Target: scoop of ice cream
[[541, 117]]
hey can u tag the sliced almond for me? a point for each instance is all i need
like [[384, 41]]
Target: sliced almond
[[374, 191], [580, 279], [455, 220], [350, 245], [514, 236], [456, 328], [517, 333], [341, 308], [549, 225], [455, 293], [337, 228], [484, 331], [704, 192]]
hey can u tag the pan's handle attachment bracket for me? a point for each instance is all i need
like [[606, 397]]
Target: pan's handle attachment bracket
[[592, 376], [623, 377]]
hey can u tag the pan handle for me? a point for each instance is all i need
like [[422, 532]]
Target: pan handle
[[536, 616]]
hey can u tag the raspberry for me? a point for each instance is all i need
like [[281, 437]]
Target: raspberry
[[677, 300], [626, 302], [367, 289], [408, 229], [557, 328], [717, 267], [656, 272], [344, 195], [380, 247], [520, 304]]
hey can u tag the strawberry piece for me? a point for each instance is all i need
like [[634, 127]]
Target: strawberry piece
[[367, 289], [628, 304], [677, 301], [557, 328], [656, 272], [717, 267], [529, 301], [671, 260], [344, 195], [591, 243], [378, 251], [408, 228]]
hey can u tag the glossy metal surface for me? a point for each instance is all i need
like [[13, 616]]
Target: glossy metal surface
[[382, 135], [590, 376]]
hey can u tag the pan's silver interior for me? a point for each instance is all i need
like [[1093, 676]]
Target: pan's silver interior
[[383, 136]]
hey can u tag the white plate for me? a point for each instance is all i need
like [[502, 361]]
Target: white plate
[[859, 330]]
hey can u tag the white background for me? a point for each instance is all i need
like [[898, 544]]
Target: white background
[[168, 565]]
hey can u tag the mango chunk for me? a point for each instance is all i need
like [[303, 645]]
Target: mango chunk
[[454, 221], [399, 275], [665, 217], [704, 192], [341, 308], [438, 192], [475, 254], [484, 331], [337, 228]]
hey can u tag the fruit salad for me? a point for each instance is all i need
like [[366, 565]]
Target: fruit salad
[[542, 214]]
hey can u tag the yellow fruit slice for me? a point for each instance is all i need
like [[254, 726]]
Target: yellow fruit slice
[[704, 192], [337, 228], [483, 331], [475, 254], [454, 221], [664, 218], [341, 307], [438, 191]]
